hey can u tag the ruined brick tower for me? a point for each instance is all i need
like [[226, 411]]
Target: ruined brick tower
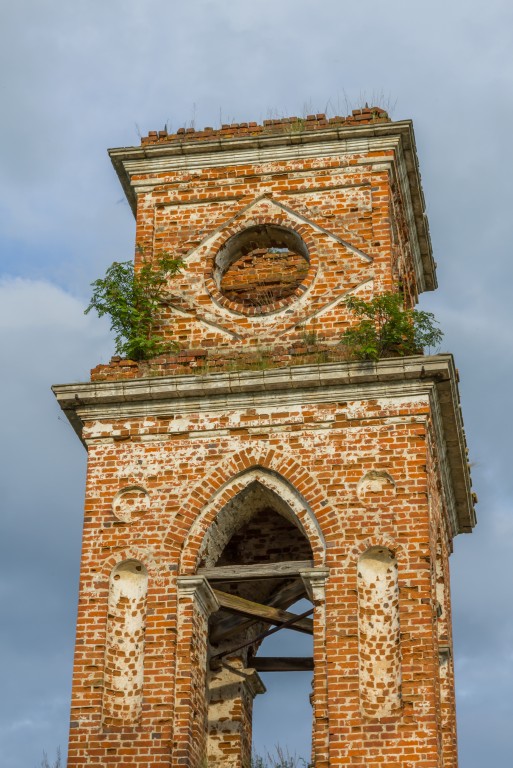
[[259, 465]]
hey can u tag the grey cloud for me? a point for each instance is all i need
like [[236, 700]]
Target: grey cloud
[[78, 78], [43, 333]]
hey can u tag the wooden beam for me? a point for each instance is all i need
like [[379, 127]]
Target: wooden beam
[[282, 598], [266, 613], [281, 663], [259, 637], [280, 570]]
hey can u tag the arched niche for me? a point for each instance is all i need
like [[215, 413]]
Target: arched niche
[[124, 646], [379, 633]]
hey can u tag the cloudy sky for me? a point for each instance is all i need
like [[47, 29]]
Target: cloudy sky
[[81, 76]]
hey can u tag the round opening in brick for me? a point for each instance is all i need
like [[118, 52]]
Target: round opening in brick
[[262, 268]]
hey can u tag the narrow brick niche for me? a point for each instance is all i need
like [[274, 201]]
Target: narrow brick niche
[[124, 650]]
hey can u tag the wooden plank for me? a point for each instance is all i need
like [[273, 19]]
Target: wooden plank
[[265, 613], [232, 625], [280, 570], [282, 663]]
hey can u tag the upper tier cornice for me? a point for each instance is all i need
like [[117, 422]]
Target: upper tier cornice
[[432, 376]]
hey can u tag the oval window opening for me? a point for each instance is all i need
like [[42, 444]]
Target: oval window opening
[[261, 266]]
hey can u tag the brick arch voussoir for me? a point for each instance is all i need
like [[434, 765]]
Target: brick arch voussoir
[[232, 471], [249, 219], [270, 458]]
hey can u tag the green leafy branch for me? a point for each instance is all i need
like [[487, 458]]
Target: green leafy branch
[[132, 299], [387, 329]]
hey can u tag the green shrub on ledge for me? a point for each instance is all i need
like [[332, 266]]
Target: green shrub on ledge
[[387, 329], [132, 300]]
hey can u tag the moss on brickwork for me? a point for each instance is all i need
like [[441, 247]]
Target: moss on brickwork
[[201, 362]]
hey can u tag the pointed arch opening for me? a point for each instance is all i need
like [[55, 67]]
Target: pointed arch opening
[[215, 522], [256, 525], [255, 555]]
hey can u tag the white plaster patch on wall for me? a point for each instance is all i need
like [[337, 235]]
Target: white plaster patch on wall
[[124, 649], [378, 633], [145, 426], [292, 165], [423, 704], [317, 442], [97, 429], [255, 417], [156, 566], [139, 464], [359, 196], [359, 409]]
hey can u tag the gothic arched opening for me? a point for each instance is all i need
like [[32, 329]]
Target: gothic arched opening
[[254, 558]]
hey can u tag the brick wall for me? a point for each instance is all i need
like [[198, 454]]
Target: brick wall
[[344, 213], [326, 453]]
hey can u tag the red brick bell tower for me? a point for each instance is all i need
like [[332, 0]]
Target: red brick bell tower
[[259, 465]]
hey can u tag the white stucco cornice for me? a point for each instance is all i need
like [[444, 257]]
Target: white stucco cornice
[[135, 166], [433, 377]]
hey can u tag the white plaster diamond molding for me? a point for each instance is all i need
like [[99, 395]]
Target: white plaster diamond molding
[[336, 268]]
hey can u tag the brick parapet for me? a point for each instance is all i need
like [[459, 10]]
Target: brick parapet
[[204, 361], [364, 116]]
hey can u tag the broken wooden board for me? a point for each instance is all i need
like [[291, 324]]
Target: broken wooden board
[[266, 613], [283, 569], [282, 663], [233, 625]]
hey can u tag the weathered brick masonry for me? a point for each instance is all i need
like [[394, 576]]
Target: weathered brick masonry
[[259, 446]]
